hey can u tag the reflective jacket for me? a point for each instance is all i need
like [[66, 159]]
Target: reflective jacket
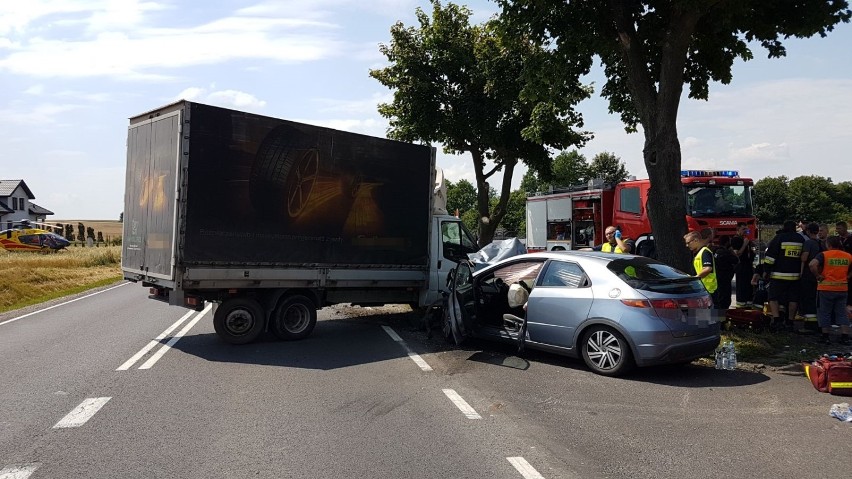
[[835, 267], [784, 256], [709, 281]]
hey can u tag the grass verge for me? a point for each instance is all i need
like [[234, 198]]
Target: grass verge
[[30, 278]]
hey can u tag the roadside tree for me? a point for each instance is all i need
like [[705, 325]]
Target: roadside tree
[[649, 50], [502, 100]]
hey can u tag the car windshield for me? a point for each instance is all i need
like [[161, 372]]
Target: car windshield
[[718, 200], [647, 274]]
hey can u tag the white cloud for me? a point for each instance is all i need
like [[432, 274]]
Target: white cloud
[[132, 50], [41, 114], [224, 98]]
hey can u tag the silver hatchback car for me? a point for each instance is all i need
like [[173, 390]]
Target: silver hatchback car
[[614, 311]]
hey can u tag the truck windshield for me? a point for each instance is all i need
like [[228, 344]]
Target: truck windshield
[[718, 200]]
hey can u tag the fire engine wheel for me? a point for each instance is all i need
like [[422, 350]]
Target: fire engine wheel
[[606, 352], [294, 318], [239, 320]]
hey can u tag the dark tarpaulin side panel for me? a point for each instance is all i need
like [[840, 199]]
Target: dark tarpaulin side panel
[[264, 190]]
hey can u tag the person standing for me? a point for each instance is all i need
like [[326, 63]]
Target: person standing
[[703, 262], [743, 249], [831, 269], [726, 264], [614, 242], [842, 230], [808, 281], [822, 236], [783, 262]]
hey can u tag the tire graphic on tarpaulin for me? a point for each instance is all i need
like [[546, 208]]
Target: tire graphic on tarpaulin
[[284, 173]]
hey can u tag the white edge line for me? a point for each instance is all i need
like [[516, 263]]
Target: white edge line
[[22, 471], [82, 413], [411, 354], [460, 403], [130, 362], [62, 304], [524, 468], [160, 352]]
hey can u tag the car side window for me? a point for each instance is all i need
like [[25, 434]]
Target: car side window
[[565, 274], [526, 271]]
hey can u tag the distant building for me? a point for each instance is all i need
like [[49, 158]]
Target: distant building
[[16, 204]]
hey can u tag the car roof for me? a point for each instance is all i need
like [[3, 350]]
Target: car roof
[[598, 257]]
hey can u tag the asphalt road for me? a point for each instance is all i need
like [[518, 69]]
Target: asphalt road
[[84, 392]]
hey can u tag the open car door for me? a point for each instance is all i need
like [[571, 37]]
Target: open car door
[[460, 312]]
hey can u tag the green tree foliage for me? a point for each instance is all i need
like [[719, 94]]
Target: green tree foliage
[[531, 183], [772, 203], [100, 237], [812, 198], [815, 198], [515, 221], [81, 232], [609, 167], [473, 90], [569, 168], [461, 196], [121, 217], [69, 232], [649, 50], [90, 232]]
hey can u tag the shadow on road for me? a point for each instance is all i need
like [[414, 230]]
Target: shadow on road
[[688, 375], [336, 343]]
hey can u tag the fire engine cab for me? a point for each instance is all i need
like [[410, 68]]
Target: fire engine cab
[[575, 217]]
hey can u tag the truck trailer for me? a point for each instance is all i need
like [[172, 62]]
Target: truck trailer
[[271, 220]]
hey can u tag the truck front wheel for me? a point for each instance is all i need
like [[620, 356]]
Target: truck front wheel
[[239, 320], [294, 318]]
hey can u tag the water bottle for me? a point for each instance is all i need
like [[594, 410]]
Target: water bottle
[[719, 358], [725, 357], [732, 356]]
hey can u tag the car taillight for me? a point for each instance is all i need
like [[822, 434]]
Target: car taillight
[[666, 304], [637, 303]]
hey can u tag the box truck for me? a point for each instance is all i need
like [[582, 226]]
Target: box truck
[[271, 220]]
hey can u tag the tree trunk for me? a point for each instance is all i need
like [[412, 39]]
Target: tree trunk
[[490, 220], [666, 208]]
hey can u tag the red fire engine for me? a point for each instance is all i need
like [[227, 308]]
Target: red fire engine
[[575, 217]]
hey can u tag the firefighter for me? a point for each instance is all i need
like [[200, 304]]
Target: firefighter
[[784, 264], [832, 271]]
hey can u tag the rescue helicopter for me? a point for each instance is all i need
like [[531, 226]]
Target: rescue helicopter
[[26, 235]]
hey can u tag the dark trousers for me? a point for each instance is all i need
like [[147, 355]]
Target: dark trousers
[[722, 295], [745, 291], [808, 297]]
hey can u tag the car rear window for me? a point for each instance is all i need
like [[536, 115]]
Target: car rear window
[[651, 275]]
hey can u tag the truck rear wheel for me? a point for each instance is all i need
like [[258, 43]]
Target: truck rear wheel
[[294, 318], [239, 320]]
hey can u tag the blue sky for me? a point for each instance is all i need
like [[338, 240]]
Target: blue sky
[[73, 71]]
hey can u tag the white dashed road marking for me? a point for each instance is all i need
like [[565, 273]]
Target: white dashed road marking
[[463, 406], [153, 344], [159, 354], [158, 340], [411, 354], [82, 413], [18, 472], [524, 468], [61, 304]]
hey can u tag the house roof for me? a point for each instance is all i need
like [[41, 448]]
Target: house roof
[[4, 208], [7, 187], [38, 210]]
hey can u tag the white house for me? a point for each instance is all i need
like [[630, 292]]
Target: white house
[[16, 204]]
